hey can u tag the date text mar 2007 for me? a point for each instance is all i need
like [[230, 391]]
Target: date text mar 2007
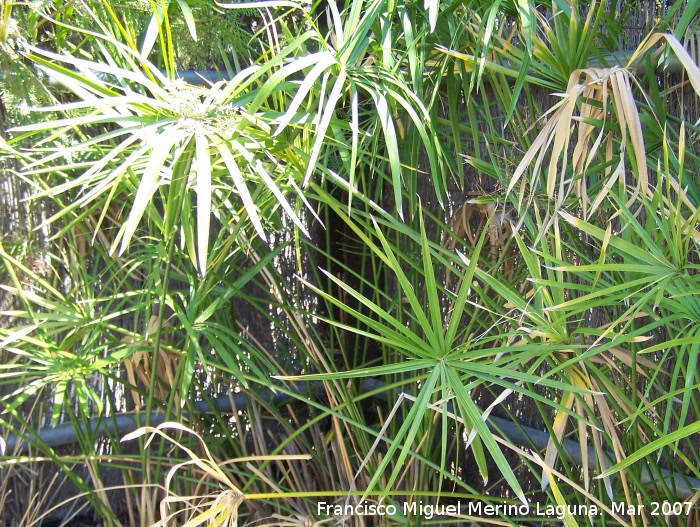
[[558, 511]]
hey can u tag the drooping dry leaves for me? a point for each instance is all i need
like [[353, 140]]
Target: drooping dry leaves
[[139, 367], [468, 225]]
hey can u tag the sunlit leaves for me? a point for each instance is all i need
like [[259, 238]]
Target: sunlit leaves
[[176, 131]]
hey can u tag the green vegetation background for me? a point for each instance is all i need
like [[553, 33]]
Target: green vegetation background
[[405, 216]]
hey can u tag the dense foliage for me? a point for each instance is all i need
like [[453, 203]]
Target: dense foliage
[[405, 216]]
